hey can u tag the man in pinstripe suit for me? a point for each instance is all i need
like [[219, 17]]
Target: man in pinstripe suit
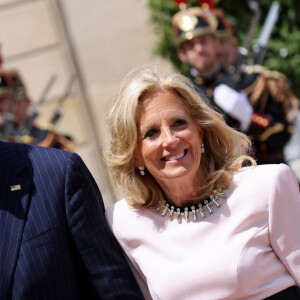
[[54, 240]]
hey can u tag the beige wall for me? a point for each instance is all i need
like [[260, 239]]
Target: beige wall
[[99, 41]]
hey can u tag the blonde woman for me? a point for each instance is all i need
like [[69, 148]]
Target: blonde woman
[[198, 219]]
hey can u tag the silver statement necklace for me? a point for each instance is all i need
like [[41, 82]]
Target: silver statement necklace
[[167, 209]]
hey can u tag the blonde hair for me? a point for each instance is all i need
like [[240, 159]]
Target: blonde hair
[[225, 148]]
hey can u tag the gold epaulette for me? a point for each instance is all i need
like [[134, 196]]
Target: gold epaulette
[[24, 139], [258, 69], [253, 69]]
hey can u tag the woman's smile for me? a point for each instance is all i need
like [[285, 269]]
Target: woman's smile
[[175, 157]]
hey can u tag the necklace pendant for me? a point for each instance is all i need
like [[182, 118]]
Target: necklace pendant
[[194, 213], [161, 205], [215, 202], [186, 214], [201, 210], [208, 206], [182, 215], [178, 215], [171, 213], [165, 209], [221, 194]]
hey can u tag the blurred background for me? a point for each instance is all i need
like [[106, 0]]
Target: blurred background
[[95, 41], [88, 46]]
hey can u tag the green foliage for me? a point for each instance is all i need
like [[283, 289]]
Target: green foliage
[[283, 51]]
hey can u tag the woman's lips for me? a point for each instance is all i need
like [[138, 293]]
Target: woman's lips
[[175, 157]]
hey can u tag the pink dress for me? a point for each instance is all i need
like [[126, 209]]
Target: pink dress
[[249, 248]]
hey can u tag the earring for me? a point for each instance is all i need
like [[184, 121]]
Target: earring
[[142, 172], [202, 148]]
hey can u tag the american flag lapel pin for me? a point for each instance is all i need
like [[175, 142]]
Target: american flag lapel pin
[[15, 187]]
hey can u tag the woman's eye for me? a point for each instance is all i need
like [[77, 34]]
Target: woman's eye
[[151, 133], [180, 122]]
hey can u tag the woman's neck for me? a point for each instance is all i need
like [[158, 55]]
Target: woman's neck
[[182, 193]]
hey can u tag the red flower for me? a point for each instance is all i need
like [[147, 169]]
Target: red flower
[[178, 2], [210, 3]]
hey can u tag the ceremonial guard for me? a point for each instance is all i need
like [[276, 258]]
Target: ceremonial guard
[[197, 45], [274, 104], [207, 43], [228, 51], [19, 125]]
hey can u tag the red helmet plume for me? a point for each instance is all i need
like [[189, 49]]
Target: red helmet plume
[[179, 2], [211, 4]]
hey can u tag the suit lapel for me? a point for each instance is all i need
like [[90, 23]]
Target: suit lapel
[[14, 194]]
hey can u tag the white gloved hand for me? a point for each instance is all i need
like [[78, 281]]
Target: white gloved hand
[[235, 104]]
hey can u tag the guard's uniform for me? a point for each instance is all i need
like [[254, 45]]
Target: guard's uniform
[[207, 86], [45, 137], [275, 108], [274, 105], [25, 131]]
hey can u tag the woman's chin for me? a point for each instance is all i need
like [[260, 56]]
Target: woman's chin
[[178, 173]]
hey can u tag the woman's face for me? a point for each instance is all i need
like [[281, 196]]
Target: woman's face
[[169, 139]]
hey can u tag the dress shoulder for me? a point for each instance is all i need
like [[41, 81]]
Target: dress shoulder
[[268, 170], [116, 210], [278, 172]]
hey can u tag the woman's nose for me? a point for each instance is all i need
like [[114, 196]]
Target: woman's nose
[[169, 137]]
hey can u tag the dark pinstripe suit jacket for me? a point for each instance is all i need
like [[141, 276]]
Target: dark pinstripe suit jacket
[[54, 239]]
